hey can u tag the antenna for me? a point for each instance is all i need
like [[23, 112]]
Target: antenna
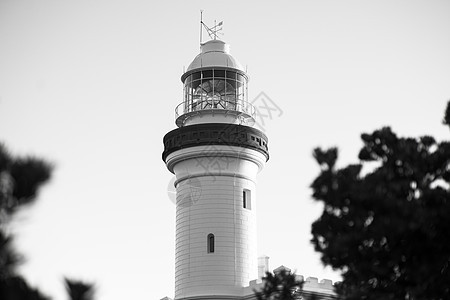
[[213, 31], [201, 26]]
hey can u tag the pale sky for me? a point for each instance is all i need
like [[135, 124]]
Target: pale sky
[[92, 85]]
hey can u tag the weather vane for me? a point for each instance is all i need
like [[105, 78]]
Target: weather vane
[[212, 31]]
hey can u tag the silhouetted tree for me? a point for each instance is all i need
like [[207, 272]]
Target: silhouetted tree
[[16, 288], [20, 179], [9, 259], [387, 228], [282, 285], [78, 290]]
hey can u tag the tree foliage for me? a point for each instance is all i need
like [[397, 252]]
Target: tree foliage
[[20, 180], [387, 229], [282, 285], [9, 259], [79, 290], [16, 288]]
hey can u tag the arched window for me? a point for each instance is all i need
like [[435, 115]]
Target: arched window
[[247, 199], [210, 243]]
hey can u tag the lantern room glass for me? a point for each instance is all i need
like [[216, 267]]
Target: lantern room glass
[[215, 89]]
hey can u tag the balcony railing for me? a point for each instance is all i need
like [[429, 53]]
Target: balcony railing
[[184, 110]]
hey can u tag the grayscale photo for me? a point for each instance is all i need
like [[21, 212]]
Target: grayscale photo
[[224, 150]]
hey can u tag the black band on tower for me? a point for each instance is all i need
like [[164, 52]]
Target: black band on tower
[[215, 134]]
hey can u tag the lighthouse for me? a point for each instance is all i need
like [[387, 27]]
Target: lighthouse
[[215, 154]]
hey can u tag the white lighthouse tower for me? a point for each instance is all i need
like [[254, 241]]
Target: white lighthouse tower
[[216, 155]]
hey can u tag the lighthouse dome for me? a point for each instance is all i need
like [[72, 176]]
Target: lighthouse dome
[[214, 53]]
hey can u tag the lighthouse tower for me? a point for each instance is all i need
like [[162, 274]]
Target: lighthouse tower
[[215, 154]]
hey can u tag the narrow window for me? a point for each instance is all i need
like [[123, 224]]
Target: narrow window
[[246, 199], [210, 242]]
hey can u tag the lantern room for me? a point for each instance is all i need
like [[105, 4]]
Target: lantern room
[[215, 89]]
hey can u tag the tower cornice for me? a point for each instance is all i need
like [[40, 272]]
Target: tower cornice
[[215, 134]]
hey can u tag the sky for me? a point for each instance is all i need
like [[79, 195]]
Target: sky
[[91, 86]]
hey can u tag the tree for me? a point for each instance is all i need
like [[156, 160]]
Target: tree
[[387, 228], [16, 288], [282, 285], [20, 179], [78, 290]]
